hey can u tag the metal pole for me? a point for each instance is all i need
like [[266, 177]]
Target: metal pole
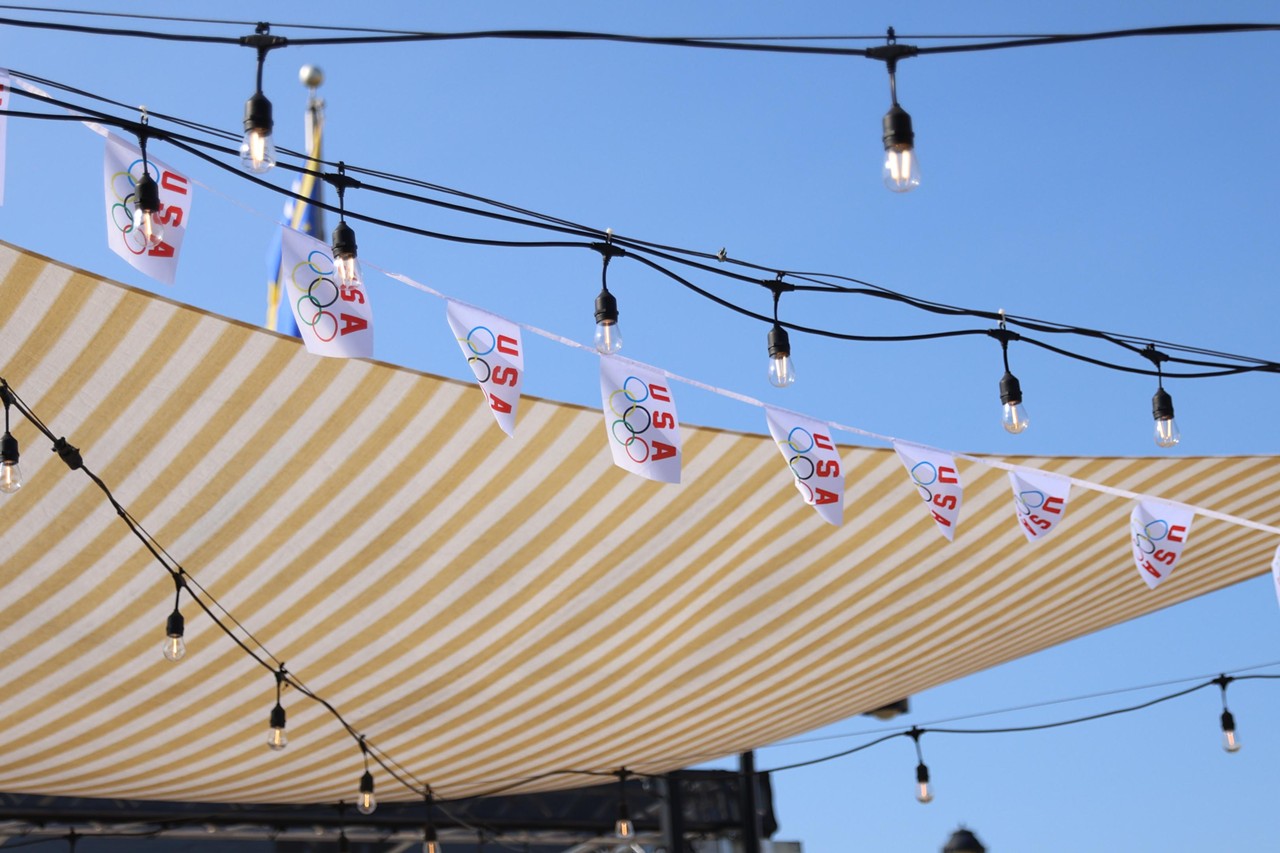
[[673, 814], [312, 77], [747, 801]]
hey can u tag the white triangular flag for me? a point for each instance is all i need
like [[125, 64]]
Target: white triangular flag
[[1157, 534], [494, 350], [121, 168], [1039, 500], [640, 418], [812, 458], [934, 475], [334, 320]]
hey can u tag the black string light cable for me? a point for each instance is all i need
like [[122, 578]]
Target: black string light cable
[[186, 143], [174, 647]]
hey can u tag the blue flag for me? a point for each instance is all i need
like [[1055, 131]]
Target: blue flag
[[300, 215]]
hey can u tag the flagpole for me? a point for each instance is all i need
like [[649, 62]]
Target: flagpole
[[312, 76]]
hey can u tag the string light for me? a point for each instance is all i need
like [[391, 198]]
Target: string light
[[1013, 413], [175, 648], [1230, 742], [10, 472], [608, 337], [257, 150], [1167, 433], [901, 165], [277, 739], [344, 236], [781, 370], [923, 792], [623, 828], [146, 210], [366, 802]]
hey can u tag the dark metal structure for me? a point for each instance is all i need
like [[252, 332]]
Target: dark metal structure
[[669, 813]]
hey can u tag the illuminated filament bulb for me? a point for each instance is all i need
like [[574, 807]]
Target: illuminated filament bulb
[[923, 792], [10, 473], [782, 372], [1166, 430], [277, 739], [367, 801], [344, 254], [1229, 740], [901, 165], [608, 337], [1014, 414], [174, 647], [146, 211], [257, 150]]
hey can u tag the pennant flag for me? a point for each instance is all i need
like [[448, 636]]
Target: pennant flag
[[495, 351], [1040, 501], [934, 474], [640, 417], [5, 82], [1275, 572], [122, 166], [335, 320], [813, 459], [1158, 532]]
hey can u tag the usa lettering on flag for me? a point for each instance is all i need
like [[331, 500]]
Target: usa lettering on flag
[[813, 460], [494, 350], [1157, 535], [122, 167], [934, 475], [335, 320], [640, 419], [1039, 501]]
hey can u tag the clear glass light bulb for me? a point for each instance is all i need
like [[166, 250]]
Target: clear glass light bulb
[[924, 793], [901, 168], [10, 477], [277, 739], [1229, 741], [257, 151], [348, 269], [1015, 418], [608, 337], [431, 846], [1167, 433], [781, 371], [367, 802], [174, 648], [624, 828], [149, 226]]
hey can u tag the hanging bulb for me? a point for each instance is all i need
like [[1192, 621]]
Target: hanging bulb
[[10, 473], [146, 219], [923, 792], [781, 371], [174, 647], [429, 842], [1229, 740], [344, 253], [344, 846], [257, 151], [276, 737], [901, 166], [1014, 418], [624, 828], [608, 333], [1166, 432], [367, 802]]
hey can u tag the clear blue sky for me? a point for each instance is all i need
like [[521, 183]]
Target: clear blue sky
[[1125, 185]]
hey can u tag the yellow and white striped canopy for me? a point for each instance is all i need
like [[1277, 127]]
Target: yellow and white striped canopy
[[485, 609]]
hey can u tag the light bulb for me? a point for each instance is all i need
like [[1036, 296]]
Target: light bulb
[[344, 253], [257, 151], [174, 647], [276, 737], [901, 165], [608, 333], [1166, 430], [429, 842], [146, 219], [781, 371], [10, 473], [367, 802], [923, 792], [1229, 740], [1014, 417], [624, 828]]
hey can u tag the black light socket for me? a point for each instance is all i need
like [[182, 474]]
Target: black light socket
[[277, 716], [175, 624], [1010, 389], [1228, 722], [779, 342], [366, 783], [898, 133], [606, 308], [9, 448], [1162, 405], [257, 113], [922, 773], [344, 240], [148, 193]]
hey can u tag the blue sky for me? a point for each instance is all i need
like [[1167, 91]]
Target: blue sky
[[1128, 185]]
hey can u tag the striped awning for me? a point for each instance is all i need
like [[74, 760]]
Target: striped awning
[[486, 610]]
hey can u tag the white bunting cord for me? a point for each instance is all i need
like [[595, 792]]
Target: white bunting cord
[[742, 398]]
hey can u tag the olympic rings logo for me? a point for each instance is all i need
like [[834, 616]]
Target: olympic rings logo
[[635, 419], [800, 442], [123, 186], [319, 291], [924, 475], [1146, 537], [481, 341], [1025, 502]]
